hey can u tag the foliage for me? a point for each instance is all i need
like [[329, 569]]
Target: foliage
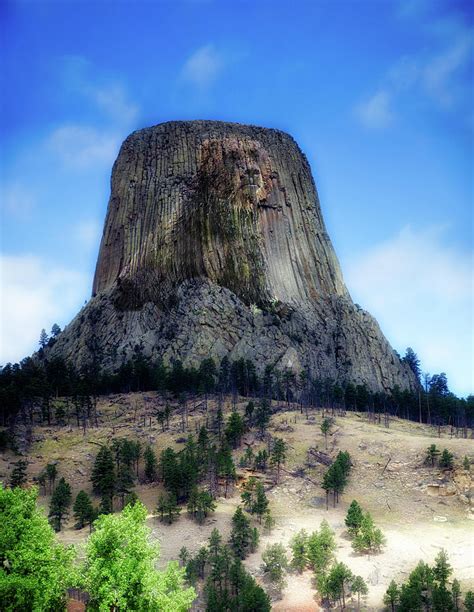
[[354, 517], [335, 478], [103, 478], [168, 508], [119, 571], [200, 504], [299, 550], [320, 548], [278, 454], [60, 502], [35, 570], [446, 459], [431, 454], [241, 537], [84, 511], [151, 464], [326, 427], [275, 564], [18, 476], [368, 538], [392, 596]]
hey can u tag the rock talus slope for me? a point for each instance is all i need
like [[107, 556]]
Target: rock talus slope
[[214, 245]]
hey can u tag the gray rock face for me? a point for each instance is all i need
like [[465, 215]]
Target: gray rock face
[[214, 245]]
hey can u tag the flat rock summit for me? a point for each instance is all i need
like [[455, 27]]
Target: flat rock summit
[[214, 245]]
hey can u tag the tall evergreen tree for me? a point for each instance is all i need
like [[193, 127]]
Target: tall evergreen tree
[[83, 509], [60, 502], [103, 478]]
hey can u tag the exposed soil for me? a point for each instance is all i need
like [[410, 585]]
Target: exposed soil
[[420, 509]]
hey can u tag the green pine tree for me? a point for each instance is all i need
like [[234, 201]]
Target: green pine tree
[[60, 502]]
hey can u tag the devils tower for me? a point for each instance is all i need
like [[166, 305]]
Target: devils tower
[[214, 245]]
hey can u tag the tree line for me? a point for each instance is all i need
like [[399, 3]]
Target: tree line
[[33, 385]]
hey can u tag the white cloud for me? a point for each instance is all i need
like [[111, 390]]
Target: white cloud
[[35, 294], [421, 292], [441, 69], [203, 67], [17, 200], [80, 146], [376, 112], [88, 233], [114, 101], [437, 75]]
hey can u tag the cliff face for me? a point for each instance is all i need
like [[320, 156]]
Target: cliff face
[[213, 245]]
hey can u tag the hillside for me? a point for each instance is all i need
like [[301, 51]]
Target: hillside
[[420, 509]]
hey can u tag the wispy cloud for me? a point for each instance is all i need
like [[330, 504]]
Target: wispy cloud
[[87, 233], [439, 75], [17, 201], [81, 147], [35, 293], [421, 291], [376, 112], [203, 67]]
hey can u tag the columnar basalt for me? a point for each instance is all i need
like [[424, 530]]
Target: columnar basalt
[[214, 245]]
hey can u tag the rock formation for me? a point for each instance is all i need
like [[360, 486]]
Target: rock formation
[[214, 245]]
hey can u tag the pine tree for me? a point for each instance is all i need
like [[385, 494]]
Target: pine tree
[[83, 509], [123, 482], [51, 473], [18, 476], [456, 593], [431, 453], [151, 464], [278, 454], [339, 577], [241, 534], [168, 508], [392, 596], [469, 601], [43, 340], [359, 587], [275, 564], [320, 548], [446, 459], [354, 517], [326, 427], [103, 478], [260, 505], [369, 538], [235, 429], [60, 502], [298, 547]]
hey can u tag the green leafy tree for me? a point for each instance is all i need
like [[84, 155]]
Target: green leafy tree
[[60, 502], [354, 517], [35, 569], [442, 569], [84, 511], [298, 547], [392, 596], [446, 459], [275, 564], [18, 476], [119, 571], [431, 454]]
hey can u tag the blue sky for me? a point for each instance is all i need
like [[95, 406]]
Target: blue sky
[[379, 96]]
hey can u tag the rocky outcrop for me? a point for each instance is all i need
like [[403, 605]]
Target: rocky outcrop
[[214, 245]]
